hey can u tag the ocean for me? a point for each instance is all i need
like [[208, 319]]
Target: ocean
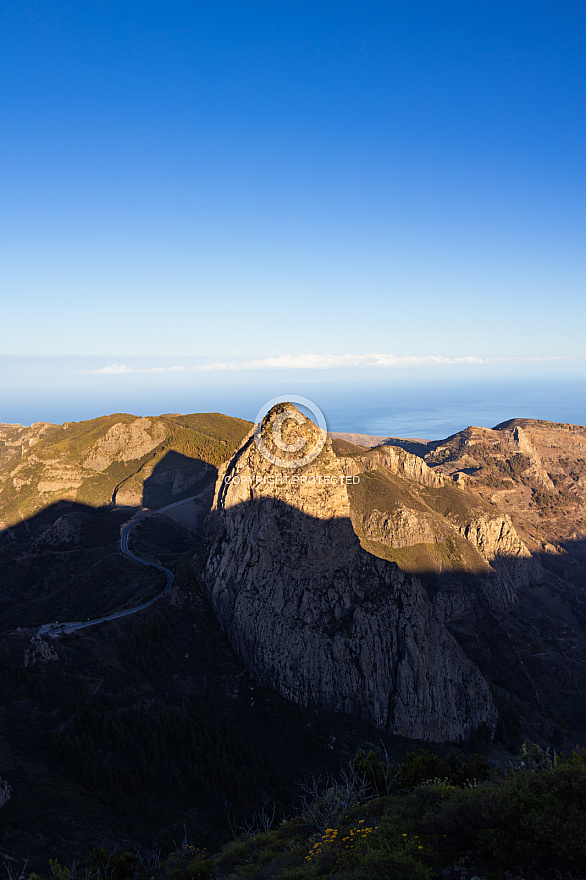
[[400, 403]]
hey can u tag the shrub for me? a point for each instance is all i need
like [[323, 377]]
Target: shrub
[[455, 769]]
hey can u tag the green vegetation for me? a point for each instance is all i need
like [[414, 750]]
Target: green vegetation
[[131, 752], [43, 580], [128, 731], [451, 450], [226, 429], [549, 503], [382, 491], [60, 456], [461, 507], [411, 820], [350, 450], [132, 728], [61, 559], [512, 468], [494, 468], [455, 554]]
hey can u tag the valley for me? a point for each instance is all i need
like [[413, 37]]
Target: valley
[[439, 599]]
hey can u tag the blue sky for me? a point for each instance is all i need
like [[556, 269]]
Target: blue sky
[[237, 182]]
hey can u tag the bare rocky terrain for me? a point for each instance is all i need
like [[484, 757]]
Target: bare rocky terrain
[[437, 594], [433, 595]]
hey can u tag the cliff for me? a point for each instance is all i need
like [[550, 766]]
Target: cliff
[[320, 618], [533, 470]]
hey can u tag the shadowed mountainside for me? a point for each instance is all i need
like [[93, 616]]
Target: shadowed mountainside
[[65, 492], [64, 563], [143, 729], [396, 595], [133, 727]]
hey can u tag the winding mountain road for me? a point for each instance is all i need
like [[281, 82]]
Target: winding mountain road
[[54, 630]]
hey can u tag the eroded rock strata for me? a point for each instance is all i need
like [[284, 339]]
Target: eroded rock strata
[[323, 620]]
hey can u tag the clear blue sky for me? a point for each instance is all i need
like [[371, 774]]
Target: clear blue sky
[[229, 180]]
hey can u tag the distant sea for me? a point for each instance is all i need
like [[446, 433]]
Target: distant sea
[[401, 404], [436, 412]]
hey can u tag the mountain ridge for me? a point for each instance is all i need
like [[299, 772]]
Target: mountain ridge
[[475, 620], [457, 546]]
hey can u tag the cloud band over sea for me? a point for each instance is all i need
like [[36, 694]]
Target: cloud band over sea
[[321, 362]]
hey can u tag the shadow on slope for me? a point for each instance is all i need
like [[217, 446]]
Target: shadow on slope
[[176, 477], [146, 723], [294, 592], [150, 729], [65, 564]]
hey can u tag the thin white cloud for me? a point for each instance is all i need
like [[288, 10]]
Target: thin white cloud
[[119, 369], [113, 369], [324, 362], [217, 365], [526, 358]]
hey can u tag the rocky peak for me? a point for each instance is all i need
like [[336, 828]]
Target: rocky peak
[[313, 613], [318, 489]]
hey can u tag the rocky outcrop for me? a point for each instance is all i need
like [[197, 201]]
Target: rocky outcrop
[[531, 469], [40, 651], [397, 461], [5, 792], [499, 544], [65, 530], [426, 512], [320, 619], [57, 477], [125, 442], [536, 470], [401, 528], [495, 537]]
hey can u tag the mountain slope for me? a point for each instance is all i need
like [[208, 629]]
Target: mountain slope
[[535, 470], [110, 459], [397, 596], [320, 618], [66, 491]]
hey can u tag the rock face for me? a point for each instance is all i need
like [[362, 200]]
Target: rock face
[[513, 566], [403, 505], [398, 461], [39, 652], [125, 442], [533, 470], [318, 617], [5, 792], [65, 530], [401, 528]]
